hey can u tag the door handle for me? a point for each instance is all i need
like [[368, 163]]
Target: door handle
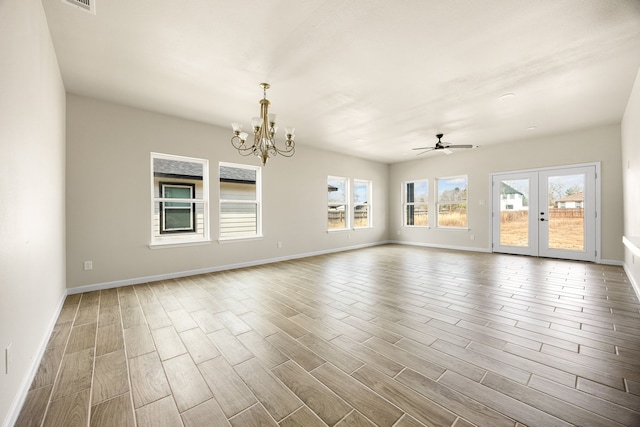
[[541, 219]]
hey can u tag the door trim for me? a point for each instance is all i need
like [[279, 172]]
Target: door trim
[[598, 197]]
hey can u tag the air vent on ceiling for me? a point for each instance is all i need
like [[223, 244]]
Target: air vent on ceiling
[[86, 5]]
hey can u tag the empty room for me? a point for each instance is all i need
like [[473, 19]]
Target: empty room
[[319, 213]]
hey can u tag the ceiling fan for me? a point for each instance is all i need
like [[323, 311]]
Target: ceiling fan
[[444, 146]]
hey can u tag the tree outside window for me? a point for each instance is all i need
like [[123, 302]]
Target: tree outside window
[[452, 202]]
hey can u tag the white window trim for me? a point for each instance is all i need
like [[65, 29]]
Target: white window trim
[[437, 206], [369, 203], [176, 240], [403, 195], [257, 202]]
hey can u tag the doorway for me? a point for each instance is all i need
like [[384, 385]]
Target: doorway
[[549, 212]]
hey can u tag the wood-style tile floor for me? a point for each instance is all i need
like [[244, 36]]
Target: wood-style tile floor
[[384, 336]]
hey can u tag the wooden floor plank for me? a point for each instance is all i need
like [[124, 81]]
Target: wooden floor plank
[[34, 407], [561, 409], [114, 412], [231, 393], [454, 400], [277, 399], [76, 371], [507, 405], [357, 395], [188, 387], [148, 380], [110, 377], [419, 407], [161, 413], [320, 399], [72, 410], [208, 413]]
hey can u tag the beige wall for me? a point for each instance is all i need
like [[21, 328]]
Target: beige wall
[[32, 225], [631, 176], [590, 145], [108, 196]]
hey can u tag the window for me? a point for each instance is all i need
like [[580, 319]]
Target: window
[[240, 201], [416, 203], [361, 203], [180, 209], [452, 202], [177, 216], [338, 196]]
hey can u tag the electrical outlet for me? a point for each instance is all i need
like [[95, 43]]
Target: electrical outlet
[[279, 245], [7, 359], [472, 236], [88, 265]]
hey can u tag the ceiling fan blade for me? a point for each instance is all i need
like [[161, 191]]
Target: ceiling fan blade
[[460, 146], [426, 150], [423, 148]]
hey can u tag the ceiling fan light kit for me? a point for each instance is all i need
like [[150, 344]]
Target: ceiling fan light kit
[[444, 146], [264, 132]]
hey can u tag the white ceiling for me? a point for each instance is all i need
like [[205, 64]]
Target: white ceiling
[[371, 78]]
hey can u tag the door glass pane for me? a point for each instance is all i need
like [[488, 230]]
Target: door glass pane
[[565, 195], [514, 212]]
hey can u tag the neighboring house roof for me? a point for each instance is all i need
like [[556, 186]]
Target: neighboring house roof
[[507, 189], [237, 175], [577, 197], [332, 188], [177, 169]]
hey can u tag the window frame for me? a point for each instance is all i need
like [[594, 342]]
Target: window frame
[[367, 203], [347, 208], [160, 239], [453, 202], [257, 201], [406, 204], [164, 207]]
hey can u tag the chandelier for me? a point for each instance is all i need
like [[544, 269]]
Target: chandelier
[[264, 132]]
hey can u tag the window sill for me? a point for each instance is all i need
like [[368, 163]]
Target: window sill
[[632, 243], [178, 244]]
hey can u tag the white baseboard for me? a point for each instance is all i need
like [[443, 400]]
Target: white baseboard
[[438, 246], [175, 275], [19, 399], [611, 262]]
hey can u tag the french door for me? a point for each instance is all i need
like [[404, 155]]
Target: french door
[[546, 212]]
